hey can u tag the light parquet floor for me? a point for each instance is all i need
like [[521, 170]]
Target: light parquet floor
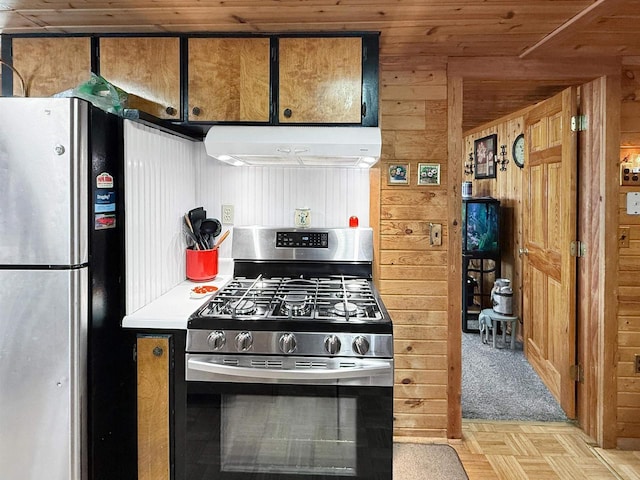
[[539, 451]]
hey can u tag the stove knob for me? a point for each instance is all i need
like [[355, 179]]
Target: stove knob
[[287, 343], [332, 344], [216, 340], [360, 345], [244, 341]]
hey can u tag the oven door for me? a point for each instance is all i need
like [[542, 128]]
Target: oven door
[[317, 421]]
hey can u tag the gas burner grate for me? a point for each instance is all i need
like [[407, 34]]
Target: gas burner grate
[[323, 298]]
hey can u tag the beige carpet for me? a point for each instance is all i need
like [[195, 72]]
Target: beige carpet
[[413, 461]]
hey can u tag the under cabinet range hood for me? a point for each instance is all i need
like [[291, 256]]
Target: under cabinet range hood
[[355, 147]]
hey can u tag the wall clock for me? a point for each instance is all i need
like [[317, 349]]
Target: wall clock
[[518, 150]]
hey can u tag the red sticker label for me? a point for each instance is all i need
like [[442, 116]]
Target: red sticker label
[[104, 180]]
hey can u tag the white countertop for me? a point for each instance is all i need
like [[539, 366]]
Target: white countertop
[[171, 311]]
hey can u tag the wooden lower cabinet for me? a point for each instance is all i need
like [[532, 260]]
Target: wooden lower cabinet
[[153, 372], [50, 65]]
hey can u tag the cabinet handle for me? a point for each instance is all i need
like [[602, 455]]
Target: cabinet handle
[[196, 111], [523, 251], [157, 352], [287, 113], [171, 111], [364, 109]]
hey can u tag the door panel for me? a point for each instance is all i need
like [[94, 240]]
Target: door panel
[[229, 79], [320, 80], [549, 270], [46, 175], [43, 357], [148, 69]]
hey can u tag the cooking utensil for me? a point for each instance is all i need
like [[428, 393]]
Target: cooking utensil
[[196, 230], [221, 239], [210, 226], [190, 236], [188, 222], [209, 229], [198, 213]]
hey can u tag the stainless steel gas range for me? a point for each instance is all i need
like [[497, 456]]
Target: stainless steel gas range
[[289, 367]]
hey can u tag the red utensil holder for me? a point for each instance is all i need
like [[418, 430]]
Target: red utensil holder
[[202, 265]]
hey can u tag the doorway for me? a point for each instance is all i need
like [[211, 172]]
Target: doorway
[[543, 220], [596, 390]]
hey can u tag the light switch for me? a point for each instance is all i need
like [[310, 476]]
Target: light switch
[[435, 234], [633, 203]]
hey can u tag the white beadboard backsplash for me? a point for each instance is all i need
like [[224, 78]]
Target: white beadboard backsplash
[[166, 176], [160, 173], [269, 195]]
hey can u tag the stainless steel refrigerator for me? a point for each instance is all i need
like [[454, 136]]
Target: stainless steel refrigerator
[[65, 387]]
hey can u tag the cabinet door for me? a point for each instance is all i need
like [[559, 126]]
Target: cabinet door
[[153, 408], [229, 79], [50, 65], [148, 68], [320, 80]]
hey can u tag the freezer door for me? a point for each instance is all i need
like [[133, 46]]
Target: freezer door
[[43, 338], [43, 181]]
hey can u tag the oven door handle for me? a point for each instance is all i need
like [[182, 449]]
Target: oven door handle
[[379, 368]]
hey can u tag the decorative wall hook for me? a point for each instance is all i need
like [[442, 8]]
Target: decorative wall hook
[[468, 167], [502, 159]]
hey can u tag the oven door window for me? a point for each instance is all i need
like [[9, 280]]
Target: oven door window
[[288, 434]]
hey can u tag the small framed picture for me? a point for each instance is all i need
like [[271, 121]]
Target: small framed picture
[[428, 174], [398, 174], [484, 150]]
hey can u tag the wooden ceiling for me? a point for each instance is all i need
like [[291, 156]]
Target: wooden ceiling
[[518, 35]]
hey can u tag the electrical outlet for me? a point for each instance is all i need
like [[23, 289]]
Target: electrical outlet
[[227, 214], [637, 363]]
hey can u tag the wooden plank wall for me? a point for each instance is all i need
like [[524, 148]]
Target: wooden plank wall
[[411, 273], [506, 187], [629, 265]]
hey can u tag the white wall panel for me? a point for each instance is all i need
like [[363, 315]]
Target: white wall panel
[[160, 176], [270, 195]]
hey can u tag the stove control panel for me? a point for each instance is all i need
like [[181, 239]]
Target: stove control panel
[[302, 239], [287, 343]]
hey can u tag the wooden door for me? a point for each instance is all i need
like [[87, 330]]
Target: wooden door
[[229, 79], [549, 228], [148, 68], [153, 407], [320, 80]]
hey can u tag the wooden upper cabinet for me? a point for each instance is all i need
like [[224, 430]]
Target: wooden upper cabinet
[[320, 80], [148, 68], [229, 79], [50, 65]]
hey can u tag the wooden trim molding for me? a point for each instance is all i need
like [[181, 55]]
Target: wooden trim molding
[[513, 68], [454, 182], [609, 288], [576, 25]]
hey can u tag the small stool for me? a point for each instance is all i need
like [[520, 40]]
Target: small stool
[[489, 318]]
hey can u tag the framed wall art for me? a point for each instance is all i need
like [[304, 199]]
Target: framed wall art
[[398, 174], [484, 151], [428, 174]]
